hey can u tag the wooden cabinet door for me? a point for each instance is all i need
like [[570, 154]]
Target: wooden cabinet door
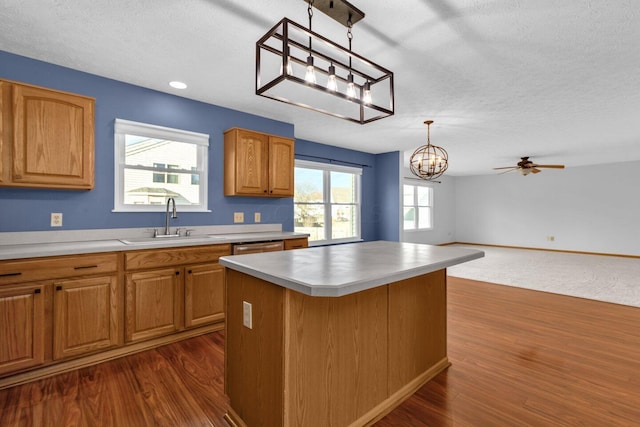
[[22, 314], [5, 132], [53, 139], [281, 166], [204, 294], [252, 151], [153, 302], [86, 317]]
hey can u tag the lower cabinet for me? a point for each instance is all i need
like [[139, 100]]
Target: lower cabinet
[[169, 290], [152, 300], [85, 316], [22, 327], [203, 294]]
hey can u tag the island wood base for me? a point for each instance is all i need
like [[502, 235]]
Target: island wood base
[[330, 361]]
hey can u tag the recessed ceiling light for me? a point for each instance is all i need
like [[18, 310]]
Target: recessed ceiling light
[[178, 85]]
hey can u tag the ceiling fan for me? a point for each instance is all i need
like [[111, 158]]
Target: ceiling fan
[[526, 166]]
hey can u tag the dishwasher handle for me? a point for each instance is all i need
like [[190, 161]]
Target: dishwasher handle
[[253, 248]]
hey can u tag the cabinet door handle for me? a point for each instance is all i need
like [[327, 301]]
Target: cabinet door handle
[[58, 287], [81, 267], [177, 273], [36, 291], [10, 274], [189, 271]]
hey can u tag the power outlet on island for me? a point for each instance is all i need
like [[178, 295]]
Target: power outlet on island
[[247, 315], [238, 217]]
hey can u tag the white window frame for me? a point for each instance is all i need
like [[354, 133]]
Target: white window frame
[[126, 127], [327, 168], [416, 218]]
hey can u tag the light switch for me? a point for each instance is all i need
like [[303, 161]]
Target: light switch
[[256, 217]]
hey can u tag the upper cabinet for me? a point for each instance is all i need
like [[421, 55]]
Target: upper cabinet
[[46, 138], [257, 164]]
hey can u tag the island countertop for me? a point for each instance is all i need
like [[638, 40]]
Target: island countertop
[[334, 271]]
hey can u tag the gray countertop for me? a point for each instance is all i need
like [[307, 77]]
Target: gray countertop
[[43, 249], [339, 270]]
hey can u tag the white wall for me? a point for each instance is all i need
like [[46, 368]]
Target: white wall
[[444, 220], [587, 208]]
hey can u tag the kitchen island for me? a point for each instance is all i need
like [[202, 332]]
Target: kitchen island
[[335, 335]]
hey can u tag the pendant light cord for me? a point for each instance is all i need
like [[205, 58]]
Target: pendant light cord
[[310, 12]]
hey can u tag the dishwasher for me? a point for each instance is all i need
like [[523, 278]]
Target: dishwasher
[[254, 248]]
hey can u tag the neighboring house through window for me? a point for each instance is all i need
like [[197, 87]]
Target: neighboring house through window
[[417, 207], [327, 202], [154, 163]]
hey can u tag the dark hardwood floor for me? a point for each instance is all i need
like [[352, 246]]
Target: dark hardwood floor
[[519, 358]]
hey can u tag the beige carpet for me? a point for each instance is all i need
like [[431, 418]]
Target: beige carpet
[[599, 277]]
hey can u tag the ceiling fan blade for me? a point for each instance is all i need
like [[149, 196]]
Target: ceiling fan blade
[[550, 166], [507, 167], [507, 171], [535, 170]]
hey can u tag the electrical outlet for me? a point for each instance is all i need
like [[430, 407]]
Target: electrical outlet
[[56, 219], [256, 217], [238, 217], [551, 238], [247, 315]]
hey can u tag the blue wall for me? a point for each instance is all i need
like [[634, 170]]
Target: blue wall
[[388, 197], [29, 209]]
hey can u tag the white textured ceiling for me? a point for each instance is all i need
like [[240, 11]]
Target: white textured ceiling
[[557, 81]]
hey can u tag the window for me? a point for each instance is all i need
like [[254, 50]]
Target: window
[[417, 207], [153, 163], [326, 202]]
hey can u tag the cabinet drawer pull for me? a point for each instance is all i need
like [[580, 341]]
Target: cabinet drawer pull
[[10, 274], [85, 266], [58, 288], [189, 271], [36, 291]]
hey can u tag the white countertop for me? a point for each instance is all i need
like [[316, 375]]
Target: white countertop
[[334, 271], [54, 248]]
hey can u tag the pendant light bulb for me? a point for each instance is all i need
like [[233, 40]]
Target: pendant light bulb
[[310, 76], [351, 89], [332, 83], [366, 98]]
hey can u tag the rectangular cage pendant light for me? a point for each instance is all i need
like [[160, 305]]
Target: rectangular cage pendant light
[[300, 67]]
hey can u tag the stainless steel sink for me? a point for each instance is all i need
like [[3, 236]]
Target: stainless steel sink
[[160, 241]]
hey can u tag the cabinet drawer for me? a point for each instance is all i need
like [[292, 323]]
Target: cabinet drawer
[[296, 244], [153, 258], [57, 267]]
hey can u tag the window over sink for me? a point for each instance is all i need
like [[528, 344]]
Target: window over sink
[[154, 163], [326, 202]]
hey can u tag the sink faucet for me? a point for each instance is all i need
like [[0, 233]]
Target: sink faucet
[[174, 214]]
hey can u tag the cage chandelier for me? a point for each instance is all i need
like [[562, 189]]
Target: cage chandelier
[[298, 66], [429, 161]]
